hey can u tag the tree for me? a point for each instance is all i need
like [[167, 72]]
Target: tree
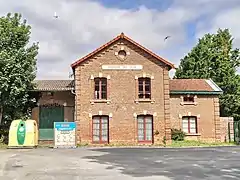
[[17, 67], [214, 57]]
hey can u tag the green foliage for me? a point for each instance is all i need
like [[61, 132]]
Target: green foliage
[[4, 130], [214, 57], [17, 68], [164, 140], [178, 134]]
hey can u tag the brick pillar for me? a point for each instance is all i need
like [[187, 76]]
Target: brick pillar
[[35, 115], [167, 106], [77, 103], [217, 120]]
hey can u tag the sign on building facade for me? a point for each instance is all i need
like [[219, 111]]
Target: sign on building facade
[[64, 134], [122, 67]]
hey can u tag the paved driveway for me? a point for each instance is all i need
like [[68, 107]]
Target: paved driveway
[[120, 163]]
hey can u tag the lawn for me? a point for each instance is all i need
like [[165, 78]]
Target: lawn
[[175, 144], [188, 143]]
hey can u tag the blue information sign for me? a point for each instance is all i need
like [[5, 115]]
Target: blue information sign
[[65, 126], [65, 134]]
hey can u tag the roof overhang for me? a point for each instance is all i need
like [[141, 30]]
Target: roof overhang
[[51, 90], [196, 92]]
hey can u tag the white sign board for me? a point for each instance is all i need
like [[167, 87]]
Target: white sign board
[[122, 67], [64, 134]]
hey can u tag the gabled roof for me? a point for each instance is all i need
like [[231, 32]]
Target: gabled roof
[[121, 36], [54, 85], [194, 86]]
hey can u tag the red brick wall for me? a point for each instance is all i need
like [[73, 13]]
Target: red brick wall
[[207, 111], [224, 121], [122, 91]]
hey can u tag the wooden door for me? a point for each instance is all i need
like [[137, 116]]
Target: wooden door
[[48, 114]]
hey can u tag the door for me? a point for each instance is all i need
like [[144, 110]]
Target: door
[[48, 114], [100, 129], [145, 128]]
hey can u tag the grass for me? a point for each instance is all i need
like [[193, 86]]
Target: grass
[[189, 143], [175, 144]]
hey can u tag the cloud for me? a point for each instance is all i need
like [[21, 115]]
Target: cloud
[[84, 25], [227, 19]]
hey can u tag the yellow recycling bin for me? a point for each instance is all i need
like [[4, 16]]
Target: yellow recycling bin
[[23, 133]]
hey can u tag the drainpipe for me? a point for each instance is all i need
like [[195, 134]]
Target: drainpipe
[[74, 93]]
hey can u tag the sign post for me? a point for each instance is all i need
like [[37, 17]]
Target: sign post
[[65, 135]]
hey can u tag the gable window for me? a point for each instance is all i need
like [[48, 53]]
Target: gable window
[[145, 128], [189, 124], [144, 88], [100, 129], [100, 89]]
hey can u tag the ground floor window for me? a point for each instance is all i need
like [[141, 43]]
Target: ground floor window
[[145, 128], [100, 129], [189, 124]]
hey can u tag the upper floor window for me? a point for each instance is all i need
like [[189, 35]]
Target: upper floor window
[[100, 91], [188, 99], [144, 88]]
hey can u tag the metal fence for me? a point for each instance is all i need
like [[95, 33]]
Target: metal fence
[[236, 128]]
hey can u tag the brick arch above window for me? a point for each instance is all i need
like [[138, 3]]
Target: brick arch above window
[[145, 113], [188, 114], [100, 75], [144, 75], [100, 113]]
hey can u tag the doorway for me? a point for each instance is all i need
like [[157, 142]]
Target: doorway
[[48, 114]]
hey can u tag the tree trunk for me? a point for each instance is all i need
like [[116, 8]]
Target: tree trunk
[[1, 114]]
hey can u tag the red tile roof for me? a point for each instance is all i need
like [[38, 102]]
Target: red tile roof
[[121, 36], [175, 85], [192, 85], [54, 85]]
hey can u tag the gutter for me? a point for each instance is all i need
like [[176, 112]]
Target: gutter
[[197, 92]]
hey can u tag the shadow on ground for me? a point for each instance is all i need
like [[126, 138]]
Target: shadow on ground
[[185, 163]]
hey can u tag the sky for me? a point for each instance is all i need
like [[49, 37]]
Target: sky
[[84, 25]]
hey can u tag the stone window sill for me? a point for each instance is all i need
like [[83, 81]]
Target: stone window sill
[[144, 100], [195, 134], [188, 103], [93, 101]]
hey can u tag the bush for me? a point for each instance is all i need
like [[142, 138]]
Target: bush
[[4, 130], [178, 134]]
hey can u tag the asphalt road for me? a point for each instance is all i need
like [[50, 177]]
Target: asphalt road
[[121, 163]]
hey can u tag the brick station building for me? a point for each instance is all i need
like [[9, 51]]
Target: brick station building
[[122, 93]]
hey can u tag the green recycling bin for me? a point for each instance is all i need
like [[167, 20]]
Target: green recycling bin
[[23, 133]]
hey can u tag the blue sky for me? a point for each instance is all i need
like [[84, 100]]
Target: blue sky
[[84, 25], [133, 4]]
